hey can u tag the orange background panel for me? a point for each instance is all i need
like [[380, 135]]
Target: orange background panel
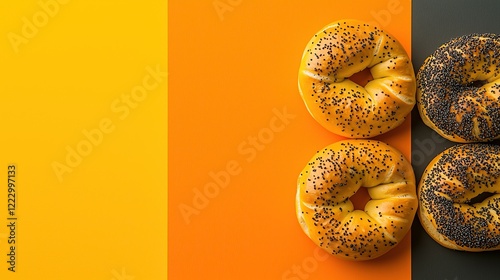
[[239, 134]]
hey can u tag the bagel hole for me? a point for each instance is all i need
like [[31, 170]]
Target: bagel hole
[[478, 83], [360, 198], [362, 78], [480, 198]]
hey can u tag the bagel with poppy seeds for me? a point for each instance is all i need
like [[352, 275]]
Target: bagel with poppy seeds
[[334, 174], [459, 197], [458, 89], [337, 52]]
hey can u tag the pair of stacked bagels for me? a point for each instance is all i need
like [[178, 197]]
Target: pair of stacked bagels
[[457, 95], [458, 91], [334, 174]]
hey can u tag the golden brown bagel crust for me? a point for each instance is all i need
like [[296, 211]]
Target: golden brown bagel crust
[[342, 49], [448, 184], [333, 175], [458, 89]]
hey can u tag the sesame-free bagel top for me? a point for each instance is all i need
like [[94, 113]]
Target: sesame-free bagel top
[[458, 92], [326, 213], [342, 49]]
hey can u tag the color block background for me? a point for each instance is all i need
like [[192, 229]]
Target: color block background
[[83, 114], [434, 23], [239, 134]]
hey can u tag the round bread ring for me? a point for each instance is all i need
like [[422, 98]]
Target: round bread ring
[[458, 89], [449, 183], [345, 108], [333, 175]]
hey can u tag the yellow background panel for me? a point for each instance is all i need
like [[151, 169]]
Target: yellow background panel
[[83, 94]]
